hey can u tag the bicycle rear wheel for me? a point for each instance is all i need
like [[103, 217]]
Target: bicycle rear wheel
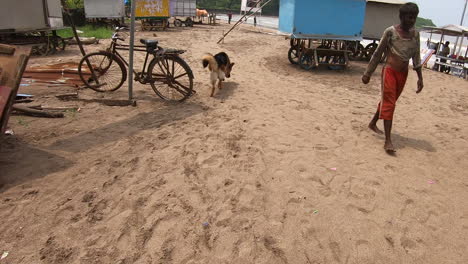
[[107, 73], [172, 78]]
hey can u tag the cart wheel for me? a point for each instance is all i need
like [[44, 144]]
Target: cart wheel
[[42, 49], [293, 55], [60, 43], [189, 22], [306, 62], [356, 53], [369, 50], [294, 43], [177, 23], [338, 60], [52, 47]]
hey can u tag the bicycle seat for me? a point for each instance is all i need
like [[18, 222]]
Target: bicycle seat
[[149, 43]]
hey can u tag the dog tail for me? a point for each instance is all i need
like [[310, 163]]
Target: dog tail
[[208, 59]]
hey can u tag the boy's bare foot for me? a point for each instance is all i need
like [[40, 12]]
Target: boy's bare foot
[[389, 147], [374, 128]]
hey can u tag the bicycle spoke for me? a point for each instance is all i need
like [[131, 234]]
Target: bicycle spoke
[[186, 90], [106, 74], [179, 76], [170, 79], [162, 70], [172, 68]]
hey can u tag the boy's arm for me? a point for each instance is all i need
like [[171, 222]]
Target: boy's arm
[[417, 64], [377, 56], [417, 55]]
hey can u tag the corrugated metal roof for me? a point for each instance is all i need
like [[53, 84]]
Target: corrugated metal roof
[[392, 2]]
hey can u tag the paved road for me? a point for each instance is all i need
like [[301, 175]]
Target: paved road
[[264, 21]]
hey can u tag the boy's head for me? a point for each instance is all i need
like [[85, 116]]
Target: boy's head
[[447, 43], [408, 14]]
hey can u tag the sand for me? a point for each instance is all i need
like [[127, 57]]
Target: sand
[[278, 167]]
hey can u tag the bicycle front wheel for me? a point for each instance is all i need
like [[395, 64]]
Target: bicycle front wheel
[[104, 73], [171, 78]]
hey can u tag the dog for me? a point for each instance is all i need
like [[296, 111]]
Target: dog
[[220, 67]]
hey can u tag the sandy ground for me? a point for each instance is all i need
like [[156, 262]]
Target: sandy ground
[[278, 167]]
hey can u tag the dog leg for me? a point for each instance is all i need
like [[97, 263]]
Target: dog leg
[[221, 77], [213, 90], [214, 78]]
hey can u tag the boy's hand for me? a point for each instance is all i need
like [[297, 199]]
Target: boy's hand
[[420, 86], [365, 79]]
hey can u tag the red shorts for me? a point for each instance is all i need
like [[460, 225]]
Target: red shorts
[[393, 83]]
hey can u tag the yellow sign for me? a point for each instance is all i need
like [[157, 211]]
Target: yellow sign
[[152, 8]]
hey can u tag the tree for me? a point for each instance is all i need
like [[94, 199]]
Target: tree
[[421, 22]]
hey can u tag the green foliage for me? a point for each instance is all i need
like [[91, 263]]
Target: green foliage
[[421, 22], [73, 4], [98, 32]]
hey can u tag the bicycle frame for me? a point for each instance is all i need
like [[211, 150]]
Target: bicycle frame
[[139, 76]]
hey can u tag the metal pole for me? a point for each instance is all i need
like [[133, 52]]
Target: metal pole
[[461, 45], [130, 59], [463, 15]]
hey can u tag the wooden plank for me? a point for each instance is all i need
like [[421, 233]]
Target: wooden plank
[[4, 95], [12, 67]]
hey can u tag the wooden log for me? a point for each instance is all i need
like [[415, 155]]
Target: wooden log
[[60, 108], [113, 102], [67, 96], [38, 107], [7, 50], [22, 101], [34, 112], [84, 41]]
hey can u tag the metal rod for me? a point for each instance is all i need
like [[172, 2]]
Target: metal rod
[[441, 39], [132, 40], [240, 20], [463, 15]]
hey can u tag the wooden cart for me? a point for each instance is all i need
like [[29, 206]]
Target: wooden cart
[[42, 41], [154, 14]]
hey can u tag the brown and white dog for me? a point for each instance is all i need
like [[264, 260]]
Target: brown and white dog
[[220, 67]]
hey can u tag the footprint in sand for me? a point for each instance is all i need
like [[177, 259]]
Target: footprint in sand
[[211, 161], [363, 252]]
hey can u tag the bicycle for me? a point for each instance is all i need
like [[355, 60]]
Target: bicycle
[[168, 74]]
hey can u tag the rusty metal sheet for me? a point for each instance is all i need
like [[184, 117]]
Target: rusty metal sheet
[[61, 73]]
